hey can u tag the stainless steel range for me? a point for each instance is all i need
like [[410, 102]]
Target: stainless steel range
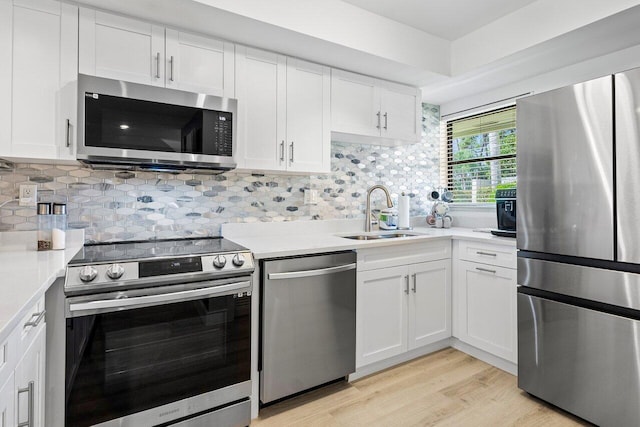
[[158, 333]]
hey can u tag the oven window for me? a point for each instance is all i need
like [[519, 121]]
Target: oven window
[[129, 361], [132, 124]]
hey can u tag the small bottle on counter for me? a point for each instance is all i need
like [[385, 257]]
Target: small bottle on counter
[[45, 220], [59, 230]]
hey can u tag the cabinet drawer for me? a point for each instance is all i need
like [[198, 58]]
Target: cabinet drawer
[[487, 253], [9, 353], [404, 254], [29, 324]]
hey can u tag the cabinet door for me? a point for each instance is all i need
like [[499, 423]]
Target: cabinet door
[[261, 91], [7, 403], [41, 45], [121, 48], [488, 308], [199, 64], [401, 113], [429, 303], [30, 371], [308, 109], [355, 104], [381, 318]]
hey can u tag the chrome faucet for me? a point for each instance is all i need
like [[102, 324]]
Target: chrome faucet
[[367, 214]]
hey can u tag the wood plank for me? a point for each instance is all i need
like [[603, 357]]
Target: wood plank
[[446, 388]]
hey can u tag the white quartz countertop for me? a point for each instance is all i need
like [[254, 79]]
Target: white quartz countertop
[[27, 273], [307, 237]]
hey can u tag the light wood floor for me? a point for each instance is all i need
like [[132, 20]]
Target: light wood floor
[[447, 388]]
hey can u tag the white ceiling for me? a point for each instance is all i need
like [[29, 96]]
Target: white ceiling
[[448, 19]]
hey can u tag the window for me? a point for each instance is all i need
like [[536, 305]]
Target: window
[[480, 155]]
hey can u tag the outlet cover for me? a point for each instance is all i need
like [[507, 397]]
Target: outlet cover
[[310, 197], [28, 195]]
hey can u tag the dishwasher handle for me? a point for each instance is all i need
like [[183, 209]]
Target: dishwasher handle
[[310, 273]]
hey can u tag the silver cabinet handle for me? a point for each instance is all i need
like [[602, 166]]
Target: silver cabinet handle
[[415, 284], [282, 151], [385, 121], [406, 289], [378, 125], [34, 323], [68, 137], [171, 68], [29, 390], [158, 65], [309, 273], [149, 300], [291, 158], [486, 270], [486, 253]]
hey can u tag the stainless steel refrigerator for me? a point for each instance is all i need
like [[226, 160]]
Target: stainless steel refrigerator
[[578, 236]]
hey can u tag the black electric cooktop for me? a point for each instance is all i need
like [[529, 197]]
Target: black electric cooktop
[[149, 249]]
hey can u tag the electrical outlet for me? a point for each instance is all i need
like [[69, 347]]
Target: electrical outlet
[[28, 195], [310, 197]]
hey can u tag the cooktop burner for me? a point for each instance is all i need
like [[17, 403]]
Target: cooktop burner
[[148, 249]]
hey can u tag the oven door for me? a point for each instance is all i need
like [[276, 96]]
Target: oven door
[[151, 356]]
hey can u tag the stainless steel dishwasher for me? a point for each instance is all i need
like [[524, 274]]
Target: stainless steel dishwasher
[[308, 322]]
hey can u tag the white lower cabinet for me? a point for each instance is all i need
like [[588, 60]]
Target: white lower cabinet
[[7, 403], [485, 297], [29, 382], [401, 308], [22, 371]]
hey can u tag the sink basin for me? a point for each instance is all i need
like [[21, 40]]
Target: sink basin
[[380, 236]]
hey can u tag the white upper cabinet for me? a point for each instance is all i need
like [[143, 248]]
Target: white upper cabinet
[[368, 110], [38, 84], [283, 109], [199, 64], [123, 48]]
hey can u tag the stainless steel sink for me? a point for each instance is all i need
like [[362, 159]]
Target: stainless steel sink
[[380, 236]]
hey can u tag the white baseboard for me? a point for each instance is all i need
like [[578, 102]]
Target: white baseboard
[[496, 361], [396, 360]]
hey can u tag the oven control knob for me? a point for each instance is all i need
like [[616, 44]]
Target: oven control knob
[[115, 271], [219, 261], [88, 273], [238, 260]]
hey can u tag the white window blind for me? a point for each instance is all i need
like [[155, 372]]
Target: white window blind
[[480, 155]]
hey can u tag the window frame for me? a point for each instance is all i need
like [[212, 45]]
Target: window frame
[[446, 170]]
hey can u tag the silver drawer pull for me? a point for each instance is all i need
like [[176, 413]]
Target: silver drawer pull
[[158, 65], [415, 284], [486, 270], [34, 323], [406, 289], [29, 390], [486, 253]]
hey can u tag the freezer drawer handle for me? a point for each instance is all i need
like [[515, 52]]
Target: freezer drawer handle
[[486, 253], [486, 270], [309, 273]]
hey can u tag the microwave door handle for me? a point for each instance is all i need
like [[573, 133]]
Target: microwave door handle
[[103, 306]]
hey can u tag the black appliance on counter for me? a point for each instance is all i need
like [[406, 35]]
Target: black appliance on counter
[[153, 333], [506, 212]]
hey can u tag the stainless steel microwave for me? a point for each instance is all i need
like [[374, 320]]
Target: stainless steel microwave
[[123, 125]]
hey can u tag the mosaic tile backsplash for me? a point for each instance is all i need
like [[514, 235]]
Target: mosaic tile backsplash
[[146, 205]]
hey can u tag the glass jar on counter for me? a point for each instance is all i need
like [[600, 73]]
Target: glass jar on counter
[[45, 225], [59, 226]]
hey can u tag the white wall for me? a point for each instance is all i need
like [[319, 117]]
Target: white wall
[[593, 68]]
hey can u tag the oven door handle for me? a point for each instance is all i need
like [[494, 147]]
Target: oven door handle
[[101, 306]]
